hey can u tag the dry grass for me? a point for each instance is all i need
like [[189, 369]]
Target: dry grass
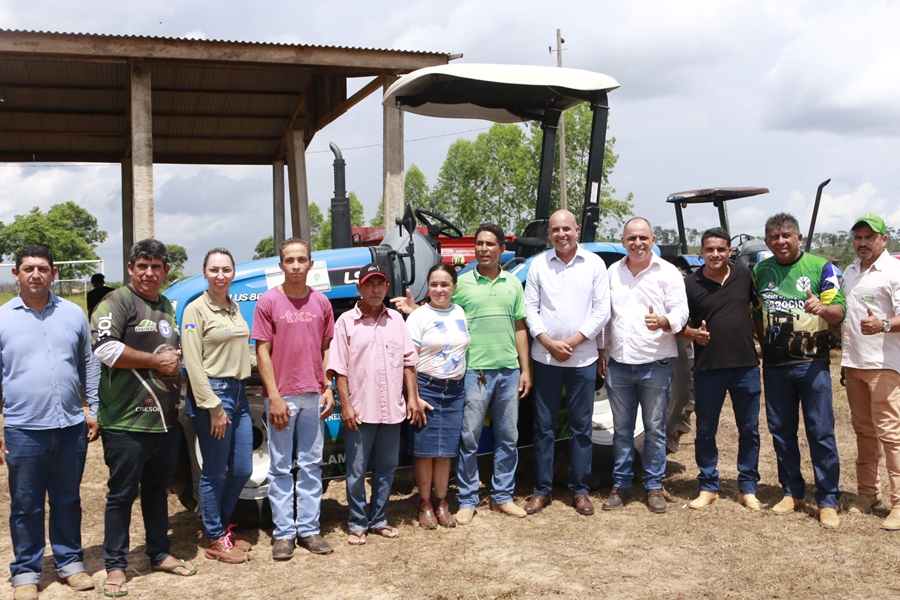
[[722, 552]]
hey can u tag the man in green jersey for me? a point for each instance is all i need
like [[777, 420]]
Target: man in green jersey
[[799, 297], [135, 336]]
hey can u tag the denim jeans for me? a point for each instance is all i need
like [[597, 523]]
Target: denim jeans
[[227, 462], [789, 389], [378, 445], [499, 391], [743, 385], [45, 462], [648, 386], [138, 463], [296, 500], [549, 381]]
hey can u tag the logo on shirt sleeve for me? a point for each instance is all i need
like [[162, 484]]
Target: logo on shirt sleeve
[[189, 327]]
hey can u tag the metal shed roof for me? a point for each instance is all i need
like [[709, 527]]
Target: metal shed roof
[[64, 97]]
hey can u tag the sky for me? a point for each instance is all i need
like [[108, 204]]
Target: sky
[[771, 93]]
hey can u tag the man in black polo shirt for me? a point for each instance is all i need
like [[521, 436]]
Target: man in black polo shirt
[[719, 298]]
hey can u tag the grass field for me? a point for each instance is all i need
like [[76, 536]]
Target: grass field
[[78, 299]]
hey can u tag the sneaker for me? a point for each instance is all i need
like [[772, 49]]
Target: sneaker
[[828, 517], [239, 544], [750, 502], [464, 516], [788, 505], [222, 550], [283, 550], [703, 500], [864, 503], [616, 499], [315, 543], [656, 502], [509, 509], [892, 523]]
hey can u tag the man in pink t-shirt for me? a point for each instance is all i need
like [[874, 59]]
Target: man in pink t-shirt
[[373, 358], [293, 326]]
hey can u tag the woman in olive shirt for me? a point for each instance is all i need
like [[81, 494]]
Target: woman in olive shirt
[[215, 342]]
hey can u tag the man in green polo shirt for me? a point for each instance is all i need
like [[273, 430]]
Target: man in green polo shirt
[[497, 372]]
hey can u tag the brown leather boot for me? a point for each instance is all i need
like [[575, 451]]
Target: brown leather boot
[[222, 550], [426, 515], [442, 511]]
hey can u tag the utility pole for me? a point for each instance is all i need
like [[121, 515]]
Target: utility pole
[[563, 202]]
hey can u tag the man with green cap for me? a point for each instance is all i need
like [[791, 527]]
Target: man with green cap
[[871, 363]]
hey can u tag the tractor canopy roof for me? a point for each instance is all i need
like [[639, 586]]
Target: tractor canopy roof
[[715, 194], [499, 93]]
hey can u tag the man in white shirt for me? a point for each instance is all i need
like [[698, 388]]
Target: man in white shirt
[[871, 363], [567, 304], [648, 306]]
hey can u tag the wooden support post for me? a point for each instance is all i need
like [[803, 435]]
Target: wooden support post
[[127, 216], [393, 161], [278, 202], [296, 155], [141, 149]]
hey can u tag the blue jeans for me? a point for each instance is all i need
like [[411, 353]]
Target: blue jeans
[[806, 386], [301, 442], [500, 393], [227, 462], [45, 462], [743, 385], [549, 381], [138, 463], [378, 444], [648, 386]]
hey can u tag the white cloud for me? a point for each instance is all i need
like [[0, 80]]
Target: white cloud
[[195, 35]]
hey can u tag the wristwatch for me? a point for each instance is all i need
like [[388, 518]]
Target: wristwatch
[[329, 386], [885, 326]]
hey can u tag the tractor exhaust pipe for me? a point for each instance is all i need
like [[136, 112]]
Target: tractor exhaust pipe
[[340, 204], [812, 223]]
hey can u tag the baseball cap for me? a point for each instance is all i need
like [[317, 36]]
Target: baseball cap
[[371, 270], [873, 221]]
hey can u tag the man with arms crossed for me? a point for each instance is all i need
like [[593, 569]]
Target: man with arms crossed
[[567, 303], [719, 298], [135, 337], [293, 326], [799, 299], [871, 363], [647, 308], [497, 372], [46, 362]]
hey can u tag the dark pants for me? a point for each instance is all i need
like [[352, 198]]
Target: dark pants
[[549, 381], [789, 389], [743, 385], [45, 464], [138, 462]]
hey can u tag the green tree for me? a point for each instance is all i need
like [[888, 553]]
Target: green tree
[[69, 230], [378, 219], [265, 248], [415, 187], [177, 257]]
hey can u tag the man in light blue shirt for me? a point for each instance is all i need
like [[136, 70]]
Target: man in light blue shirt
[[46, 363]]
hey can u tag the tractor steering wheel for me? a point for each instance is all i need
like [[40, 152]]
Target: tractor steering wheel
[[443, 226], [741, 238]]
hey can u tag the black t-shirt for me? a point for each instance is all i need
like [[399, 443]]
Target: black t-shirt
[[726, 310]]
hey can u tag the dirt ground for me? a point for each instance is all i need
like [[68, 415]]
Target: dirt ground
[[722, 552]]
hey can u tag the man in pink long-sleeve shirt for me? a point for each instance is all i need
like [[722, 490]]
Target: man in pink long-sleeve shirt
[[373, 356]]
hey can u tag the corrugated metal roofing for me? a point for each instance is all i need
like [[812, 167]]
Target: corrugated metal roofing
[[64, 97]]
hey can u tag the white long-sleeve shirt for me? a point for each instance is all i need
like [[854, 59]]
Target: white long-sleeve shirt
[[561, 299], [661, 286]]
